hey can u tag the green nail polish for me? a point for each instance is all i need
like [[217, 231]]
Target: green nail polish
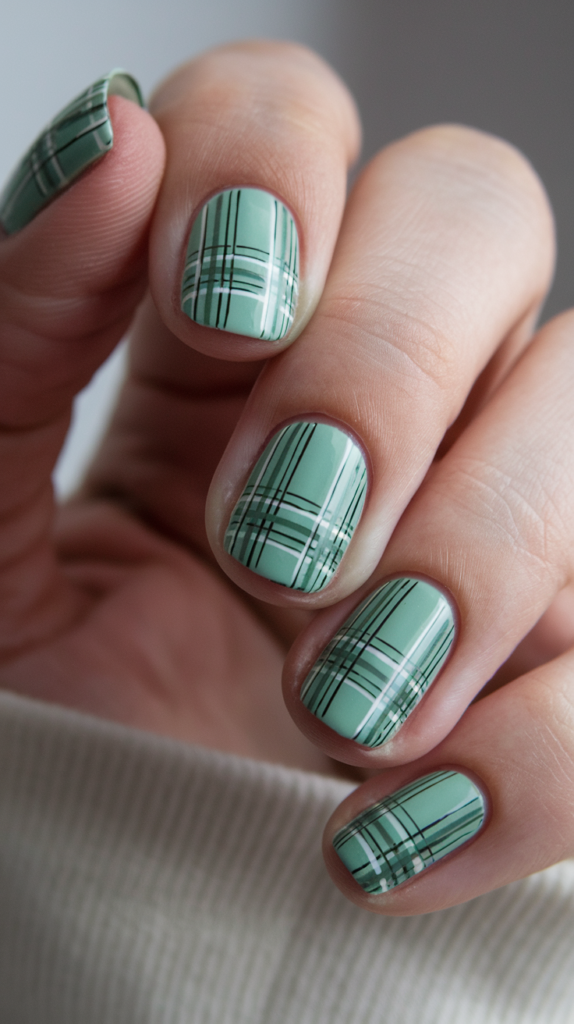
[[79, 135], [300, 506], [408, 831], [242, 265], [381, 662]]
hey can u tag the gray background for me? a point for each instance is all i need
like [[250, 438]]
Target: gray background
[[502, 65]]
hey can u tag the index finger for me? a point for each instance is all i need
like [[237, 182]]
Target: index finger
[[259, 138], [271, 116]]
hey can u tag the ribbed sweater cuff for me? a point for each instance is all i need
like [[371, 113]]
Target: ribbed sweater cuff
[[144, 881]]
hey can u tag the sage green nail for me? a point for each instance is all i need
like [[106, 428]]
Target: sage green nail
[[81, 134], [381, 662], [300, 506], [242, 265], [400, 836]]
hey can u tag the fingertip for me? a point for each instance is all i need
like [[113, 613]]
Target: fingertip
[[90, 236], [389, 845], [259, 137]]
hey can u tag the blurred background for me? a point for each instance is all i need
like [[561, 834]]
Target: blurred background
[[505, 66]]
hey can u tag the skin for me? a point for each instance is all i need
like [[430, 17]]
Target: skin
[[415, 330]]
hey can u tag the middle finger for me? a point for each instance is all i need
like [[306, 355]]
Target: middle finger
[[446, 250]]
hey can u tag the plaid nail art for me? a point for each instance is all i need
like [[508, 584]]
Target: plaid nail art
[[300, 506], [242, 265], [381, 662], [79, 135], [408, 831]]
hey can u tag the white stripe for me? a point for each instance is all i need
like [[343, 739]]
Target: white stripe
[[349, 445], [399, 829], [269, 269], [288, 507], [221, 257], [373, 860], [226, 290], [201, 241], [399, 670]]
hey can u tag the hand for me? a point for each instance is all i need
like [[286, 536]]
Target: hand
[[415, 358]]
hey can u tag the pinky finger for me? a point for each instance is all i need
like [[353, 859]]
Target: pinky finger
[[491, 804]]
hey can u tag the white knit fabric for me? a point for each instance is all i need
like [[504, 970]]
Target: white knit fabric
[[146, 882]]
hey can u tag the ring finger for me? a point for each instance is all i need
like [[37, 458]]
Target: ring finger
[[478, 557]]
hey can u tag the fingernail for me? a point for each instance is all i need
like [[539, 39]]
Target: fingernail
[[79, 135], [300, 507], [400, 836], [242, 265], [381, 662]]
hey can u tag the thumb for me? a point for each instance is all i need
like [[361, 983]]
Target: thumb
[[71, 273]]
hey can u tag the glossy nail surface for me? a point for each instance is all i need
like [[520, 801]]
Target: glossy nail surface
[[381, 661], [409, 830], [300, 506], [79, 135], [242, 265]]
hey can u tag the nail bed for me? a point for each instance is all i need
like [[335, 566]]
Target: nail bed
[[381, 661], [241, 269], [406, 832], [300, 506]]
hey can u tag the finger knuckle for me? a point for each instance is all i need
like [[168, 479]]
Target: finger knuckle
[[513, 510], [547, 711], [276, 86], [414, 341], [482, 167]]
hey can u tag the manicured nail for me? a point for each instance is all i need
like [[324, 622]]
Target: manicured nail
[[79, 135], [242, 265], [381, 662], [300, 506], [400, 836]]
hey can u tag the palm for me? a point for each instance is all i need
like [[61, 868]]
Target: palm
[[157, 637]]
